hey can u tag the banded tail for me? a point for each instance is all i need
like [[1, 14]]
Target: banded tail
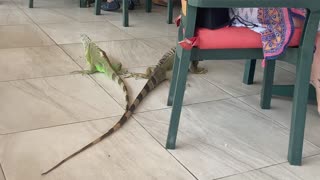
[[156, 77], [116, 78], [151, 84]]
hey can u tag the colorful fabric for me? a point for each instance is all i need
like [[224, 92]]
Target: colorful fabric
[[275, 26], [279, 27]]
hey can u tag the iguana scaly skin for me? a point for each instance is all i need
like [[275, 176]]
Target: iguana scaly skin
[[155, 76], [99, 62]]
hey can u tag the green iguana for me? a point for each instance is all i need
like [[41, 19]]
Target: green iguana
[[99, 62], [155, 76]]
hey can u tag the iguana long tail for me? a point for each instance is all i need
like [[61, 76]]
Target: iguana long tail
[[116, 78], [156, 77]]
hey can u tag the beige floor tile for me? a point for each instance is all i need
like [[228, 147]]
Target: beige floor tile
[[82, 14], [136, 16], [13, 17], [43, 15], [276, 173], [198, 90], [7, 5], [131, 153], [222, 138], [131, 53], [162, 44], [281, 112], [289, 67], [23, 36], [148, 27], [308, 171], [38, 103], [22, 63], [70, 33], [228, 75], [48, 3]]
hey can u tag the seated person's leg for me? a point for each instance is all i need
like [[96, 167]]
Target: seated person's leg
[[315, 73], [113, 5]]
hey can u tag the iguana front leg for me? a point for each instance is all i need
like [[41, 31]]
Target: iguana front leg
[[83, 72], [117, 67], [194, 69], [145, 75]]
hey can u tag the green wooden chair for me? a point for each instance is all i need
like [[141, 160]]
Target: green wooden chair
[[170, 11], [277, 90], [125, 13], [302, 55]]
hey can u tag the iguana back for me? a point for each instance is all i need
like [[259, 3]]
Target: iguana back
[[160, 73], [99, 62], [155, 78]]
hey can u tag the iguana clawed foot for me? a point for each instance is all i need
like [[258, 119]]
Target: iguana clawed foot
[[137, 76], [194, 69], [141, 75], [84, 72]]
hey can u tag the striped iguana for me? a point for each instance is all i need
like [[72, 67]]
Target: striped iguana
[[99, 62], [155, 75]]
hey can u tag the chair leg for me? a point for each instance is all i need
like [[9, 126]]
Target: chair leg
[[173, 82], [97, 7], [183, 68], [299, 109], [249, 70], [148, 5], [170, 12], [266, 92], [30, 3], [125, 14]]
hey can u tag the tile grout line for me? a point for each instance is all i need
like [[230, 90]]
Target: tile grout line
[[107, 117], [179, 162], [69, 55], [264, 167], [219, 87], [97, 119], [282, 126], [60, 125], [2, 171]]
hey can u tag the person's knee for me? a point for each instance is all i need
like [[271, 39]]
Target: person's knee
[[298, 22]]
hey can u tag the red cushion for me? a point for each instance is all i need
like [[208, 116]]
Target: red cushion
[[235, 38]]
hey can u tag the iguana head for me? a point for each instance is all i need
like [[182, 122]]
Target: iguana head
[[86, 41]]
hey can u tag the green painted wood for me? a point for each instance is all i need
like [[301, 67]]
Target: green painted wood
[[175, 69], [182, 72], [288, 90], [266, 91], [170, 11], [173, 82], [249, 70], [125, 14], [301, 56], [83, 4], [30, 3], [148, 5], [300, 97], [239, 54], [97, 7]]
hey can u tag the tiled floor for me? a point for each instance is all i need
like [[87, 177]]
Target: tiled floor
[[47, 113]]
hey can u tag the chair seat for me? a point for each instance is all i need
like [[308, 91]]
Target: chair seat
[[235, 38]]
